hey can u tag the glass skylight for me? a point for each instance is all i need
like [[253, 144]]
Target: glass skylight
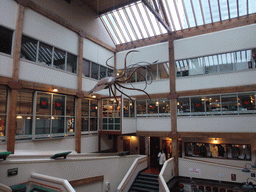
[[137, 20]]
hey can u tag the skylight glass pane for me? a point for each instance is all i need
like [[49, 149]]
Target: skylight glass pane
[[252, 6], [135, 10], [154, 22], [133, 22], [121, 25], [145, 18], [198, 13], [224, 9], [238, 57], [243, 56], [116, 28], [190, 13], [181, 14], [173, 13], [206, 61], [229, 58], [206, 10], [127, 24], [233, 8], [211, 60], [215, 10], [242, 7], [110, 29]]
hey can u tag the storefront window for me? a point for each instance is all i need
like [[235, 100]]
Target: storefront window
[[246, 103], [141, 107], [24, 114], [183, 106], [213, 105], [197, 105], [164, 107], [229, 104], [71, 63], [89, 115], [3, 103], [221, 151], [152, 106]]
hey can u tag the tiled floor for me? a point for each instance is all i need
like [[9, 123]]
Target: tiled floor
[[152, 170]]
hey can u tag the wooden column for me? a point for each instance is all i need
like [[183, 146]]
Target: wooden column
[[173, 105], [14, 85], [79, 94]]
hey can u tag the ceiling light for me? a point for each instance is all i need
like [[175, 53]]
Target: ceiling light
[[55, 90]]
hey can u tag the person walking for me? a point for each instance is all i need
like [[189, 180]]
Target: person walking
[[161, 158]]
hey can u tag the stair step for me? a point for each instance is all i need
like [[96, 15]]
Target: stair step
[[146, 181], [146, 186], [147, 178], [149, 175], [142, 189]]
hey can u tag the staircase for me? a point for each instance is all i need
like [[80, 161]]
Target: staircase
[[145, 182]]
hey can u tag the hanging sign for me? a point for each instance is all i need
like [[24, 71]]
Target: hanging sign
[[195, 170]]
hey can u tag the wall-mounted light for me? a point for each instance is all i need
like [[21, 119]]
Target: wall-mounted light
[[19, 117], [245, 169], [215, 140], [247, 186], [94, 96]]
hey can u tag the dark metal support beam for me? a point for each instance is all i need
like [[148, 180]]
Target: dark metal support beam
[[156, 15]]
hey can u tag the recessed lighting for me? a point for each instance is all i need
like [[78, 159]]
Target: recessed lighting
[[55, 90], [94, 96], [19, 117]]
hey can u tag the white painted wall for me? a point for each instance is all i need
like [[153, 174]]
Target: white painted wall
[[80, 16], [6, 65], [157, 86], [8, 10], [154, 124], [149, 54], [89, 83], [112, 167], [96, 53], [218, 42], [224, 123], [47, 31], [129, 125], [238, 78], [30, 71], [211, 171]]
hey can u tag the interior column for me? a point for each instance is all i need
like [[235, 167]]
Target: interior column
[[173, 105], [14, 85], [79, 93]]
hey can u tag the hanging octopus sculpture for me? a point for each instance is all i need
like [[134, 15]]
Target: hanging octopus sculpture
[[115, 81]]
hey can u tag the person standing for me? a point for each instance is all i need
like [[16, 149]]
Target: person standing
[[161, 158]]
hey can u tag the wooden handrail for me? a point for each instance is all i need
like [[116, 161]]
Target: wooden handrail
[[86, 181]]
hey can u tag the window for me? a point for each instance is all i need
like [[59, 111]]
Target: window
[[141, 107], [59, 59], [103, 72], [221, 151], [45, 54], [71, 63], [164, 107], [3, 112], [183, 106], [6, 40], [111, 119], [55, 115], [36, 51], [89, 115], [221, 63], [213, 105], [28, 48], [24, 112], [86, 68], [128, 106], [95, 71], [197, 106], [246, 103]]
